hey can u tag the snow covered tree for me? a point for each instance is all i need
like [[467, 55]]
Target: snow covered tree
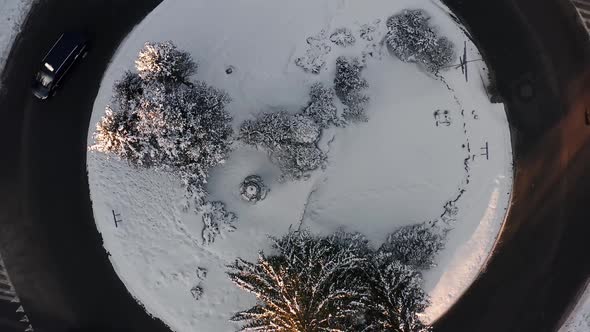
[[216, 221], [309, 284], [296, 161], [127, 92], [116, 134], [396, 297], [163, 62], [156, 121], [290, 139], [412, 39], [321, 108], [414, 245], [348, 85]]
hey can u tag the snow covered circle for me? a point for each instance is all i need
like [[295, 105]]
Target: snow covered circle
[[434, 149]]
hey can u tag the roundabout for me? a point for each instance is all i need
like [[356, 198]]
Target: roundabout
[[431, 149], [542, 151]]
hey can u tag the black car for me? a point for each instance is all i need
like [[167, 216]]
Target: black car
[[62, 55]]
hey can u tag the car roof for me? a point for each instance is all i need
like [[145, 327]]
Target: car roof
[[62, 49]]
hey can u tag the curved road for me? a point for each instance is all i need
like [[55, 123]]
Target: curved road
[[53, 251], [541, 58], [48, 240]]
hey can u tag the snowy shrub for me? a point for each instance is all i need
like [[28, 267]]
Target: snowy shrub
[[412, 39], [343, 37], [314, 59], [396, 297], [414, 245], [368, 31], [216, 221], [321, 108], [309, 284], [163, 62], [348, 85], [348, 80], [296, 161], [356, 112], [157, 121], [267, 130], [290, 139]]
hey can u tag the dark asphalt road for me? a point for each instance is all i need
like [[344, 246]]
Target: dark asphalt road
[[54, 253], [48, 240]]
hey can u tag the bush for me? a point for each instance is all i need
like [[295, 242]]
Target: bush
[[216, 221], [296, 161], [414, 245], [348, 85], [411, 39], [343, 37], [321, 108], [290, 139], [396, 297]]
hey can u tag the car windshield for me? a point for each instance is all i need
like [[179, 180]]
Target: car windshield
[[44, 78]]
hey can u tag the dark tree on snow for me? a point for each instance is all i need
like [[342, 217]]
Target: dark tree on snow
[[157, 120], [297, 160], [349, 85], [414, 245], [127, 92], [412, 39], [321, 108], [396, 297], [163, 62], [290, 139], [309, 284]]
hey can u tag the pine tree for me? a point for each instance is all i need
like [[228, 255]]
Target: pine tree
[[309, 284]]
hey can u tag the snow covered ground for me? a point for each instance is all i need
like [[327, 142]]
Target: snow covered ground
[[579, 319], [12, 15], [434, 149]]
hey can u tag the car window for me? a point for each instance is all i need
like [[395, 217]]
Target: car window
[[44, 79]]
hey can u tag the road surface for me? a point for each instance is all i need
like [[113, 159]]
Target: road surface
[[49, 240], [540, 264]]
